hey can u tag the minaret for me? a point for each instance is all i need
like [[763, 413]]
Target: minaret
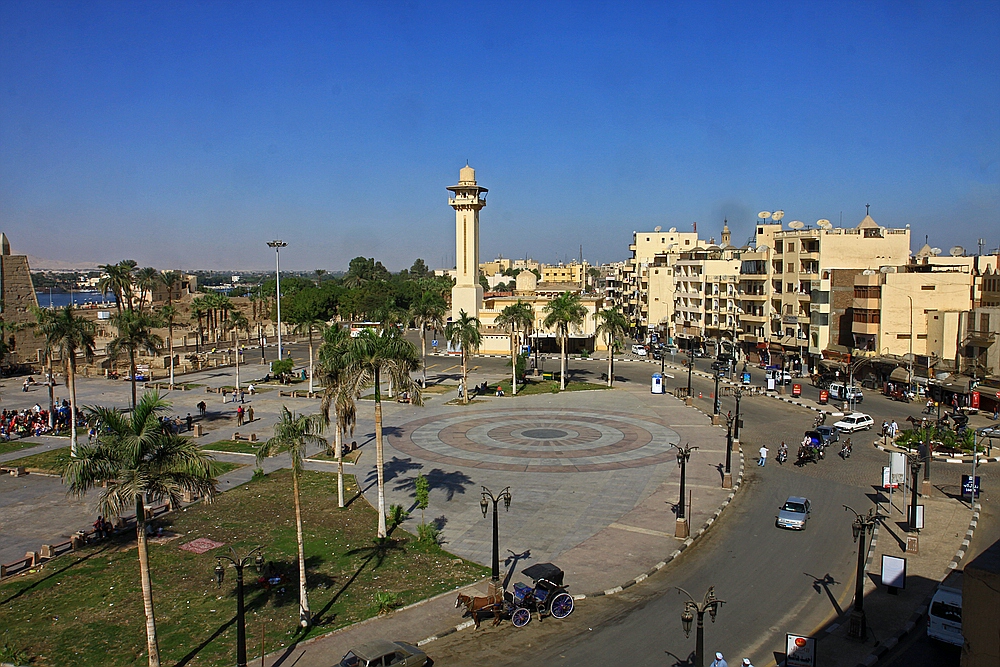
[[726, 236], [469, 199]]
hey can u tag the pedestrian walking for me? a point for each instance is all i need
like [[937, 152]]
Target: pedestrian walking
[[893, 429], [719, 661], [763, 456], [241, 396], [746, 662], [190, 422], [225, 395], [250, 414], [239, 416], [250, 389]]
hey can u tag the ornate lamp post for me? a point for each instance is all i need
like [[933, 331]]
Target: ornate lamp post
[[484, 504], [691, 609], [862, 526], [690, 366], [727, 476], [220, 574], [739, 419], [278, 244], [683, 454], [716, 406], [914, 473]]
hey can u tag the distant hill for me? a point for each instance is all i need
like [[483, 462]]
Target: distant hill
[[39, 264]]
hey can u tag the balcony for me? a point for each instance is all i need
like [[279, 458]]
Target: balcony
[[865, 328], [979, 338]]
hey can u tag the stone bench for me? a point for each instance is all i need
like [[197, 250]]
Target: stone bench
[[13, 471], [248, 438]]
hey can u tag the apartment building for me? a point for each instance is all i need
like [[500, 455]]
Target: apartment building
[[574, 272], [635, 277], [706, 296]]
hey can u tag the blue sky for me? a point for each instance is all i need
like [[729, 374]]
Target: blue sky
[[186, 134]]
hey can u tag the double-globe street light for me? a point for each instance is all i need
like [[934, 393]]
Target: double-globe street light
[[681, 525], [277, 244], [484, 504], [691, 610], [863, 525], [220, 573]]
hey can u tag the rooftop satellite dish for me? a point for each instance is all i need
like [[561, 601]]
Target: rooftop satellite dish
[[657, 228], [762, 248], [672, 230], [886, 269], [796, 224], [957, 251], [778, 215], [868, 272], [824, 223], [764, 215], [935, 251]]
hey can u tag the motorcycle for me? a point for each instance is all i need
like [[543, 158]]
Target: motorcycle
[[845, 450], [782, 453]]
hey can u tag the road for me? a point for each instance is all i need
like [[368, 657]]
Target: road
[[773, 581]]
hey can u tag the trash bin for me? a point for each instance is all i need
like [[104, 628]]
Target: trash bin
[[657, 384]]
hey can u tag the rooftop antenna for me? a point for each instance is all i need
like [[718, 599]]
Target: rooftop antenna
[[982, 242], [866, 208]]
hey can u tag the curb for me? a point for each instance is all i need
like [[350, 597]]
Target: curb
[[882, 648]]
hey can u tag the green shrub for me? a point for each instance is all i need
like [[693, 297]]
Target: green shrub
[[427, 533], [258, 475], [397, 514], [14, 656], [386, 602]]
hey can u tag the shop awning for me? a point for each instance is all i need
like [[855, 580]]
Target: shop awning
[[899, 374]]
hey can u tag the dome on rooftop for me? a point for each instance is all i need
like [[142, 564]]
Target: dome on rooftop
[[467, 175]]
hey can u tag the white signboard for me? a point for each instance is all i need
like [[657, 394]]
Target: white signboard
[[886, 483], [800, 651], [897, 469], [893, 571]]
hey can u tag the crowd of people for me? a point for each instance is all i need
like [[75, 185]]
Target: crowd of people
[[35, 421]]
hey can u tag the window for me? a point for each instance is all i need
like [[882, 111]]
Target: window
[[928, 288], [687, 241], [905, 336], [789, 267], [984, 322], [777, 246], [921, 336], [790, 288], [791, 246]]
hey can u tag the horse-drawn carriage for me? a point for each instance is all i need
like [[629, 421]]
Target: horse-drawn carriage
[[546, 596]]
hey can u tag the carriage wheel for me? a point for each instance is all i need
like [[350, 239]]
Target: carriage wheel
[[520, 617], [562, 605]]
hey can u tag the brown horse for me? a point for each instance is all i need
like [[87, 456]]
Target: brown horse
[[477, 605]]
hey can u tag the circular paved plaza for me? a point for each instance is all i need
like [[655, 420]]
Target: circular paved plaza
[[539, 440]]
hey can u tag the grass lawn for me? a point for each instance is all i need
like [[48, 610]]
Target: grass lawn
[[14, 445], [239, 446], [536, 386], [85, 609]]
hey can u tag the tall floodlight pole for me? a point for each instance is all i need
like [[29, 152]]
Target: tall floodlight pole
[[278, 244]]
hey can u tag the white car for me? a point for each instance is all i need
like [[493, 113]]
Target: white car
[[639, 350], [856, 421]]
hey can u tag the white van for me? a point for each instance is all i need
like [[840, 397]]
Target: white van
[[845, 392], [944, 616]]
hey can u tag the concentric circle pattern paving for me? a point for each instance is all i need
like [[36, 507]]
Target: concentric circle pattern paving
[[539, 440]]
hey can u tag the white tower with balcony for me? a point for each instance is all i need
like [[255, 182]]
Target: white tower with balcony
[[469, 198]]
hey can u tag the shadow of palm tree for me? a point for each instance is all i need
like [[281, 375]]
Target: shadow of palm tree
[[72, 563], [450, 482], [379, 549], [391, 469]]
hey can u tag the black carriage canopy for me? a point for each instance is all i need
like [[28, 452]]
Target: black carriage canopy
[[546, 571]]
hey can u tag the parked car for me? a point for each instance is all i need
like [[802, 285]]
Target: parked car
[[856, 421], [794, 513], [846, 392], [380, 652], [720, 365], [639, 350], [779, 376], [944, 616]]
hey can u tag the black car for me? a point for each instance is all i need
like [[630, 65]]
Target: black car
[[720, 365]]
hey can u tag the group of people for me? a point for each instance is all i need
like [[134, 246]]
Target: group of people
[[889, 429], [721, 661], [244, 416], [35, 421]]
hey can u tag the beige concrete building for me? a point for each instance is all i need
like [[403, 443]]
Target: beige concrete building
[[469, 199], [574, 272], [706, 297], [645, 247]]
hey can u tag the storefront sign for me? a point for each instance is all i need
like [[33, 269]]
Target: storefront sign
[[800, 651]]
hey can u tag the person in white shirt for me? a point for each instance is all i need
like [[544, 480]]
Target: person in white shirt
[[763, 456]]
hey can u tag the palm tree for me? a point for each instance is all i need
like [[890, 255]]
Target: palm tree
[[309, 326], [292, 434], [134, 462], [146, 279], [515, 317], [117, 279], [338, 394], [236, 323], [426, 313], [464, 333], [612, 324], [199, 309], [563, 311], [135, 336], [370, 357], [68, 334]]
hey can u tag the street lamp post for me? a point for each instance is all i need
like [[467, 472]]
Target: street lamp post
[[484, 504], [739, 419], [715, 406], [220, 574], [863, 524], [681, 525], [690, 366], [727, 476], [278, 244], [710, 604]]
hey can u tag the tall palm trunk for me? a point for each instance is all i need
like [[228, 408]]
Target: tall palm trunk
[[71, 380], [513, 367], [611, 362], [423, 350], [170, 343], [131, 373], [236, 344], [338, 442], [562, 362], [379, 460], [152, 646], [52, 391], [304, 616], [465, 380], [310, 359]]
